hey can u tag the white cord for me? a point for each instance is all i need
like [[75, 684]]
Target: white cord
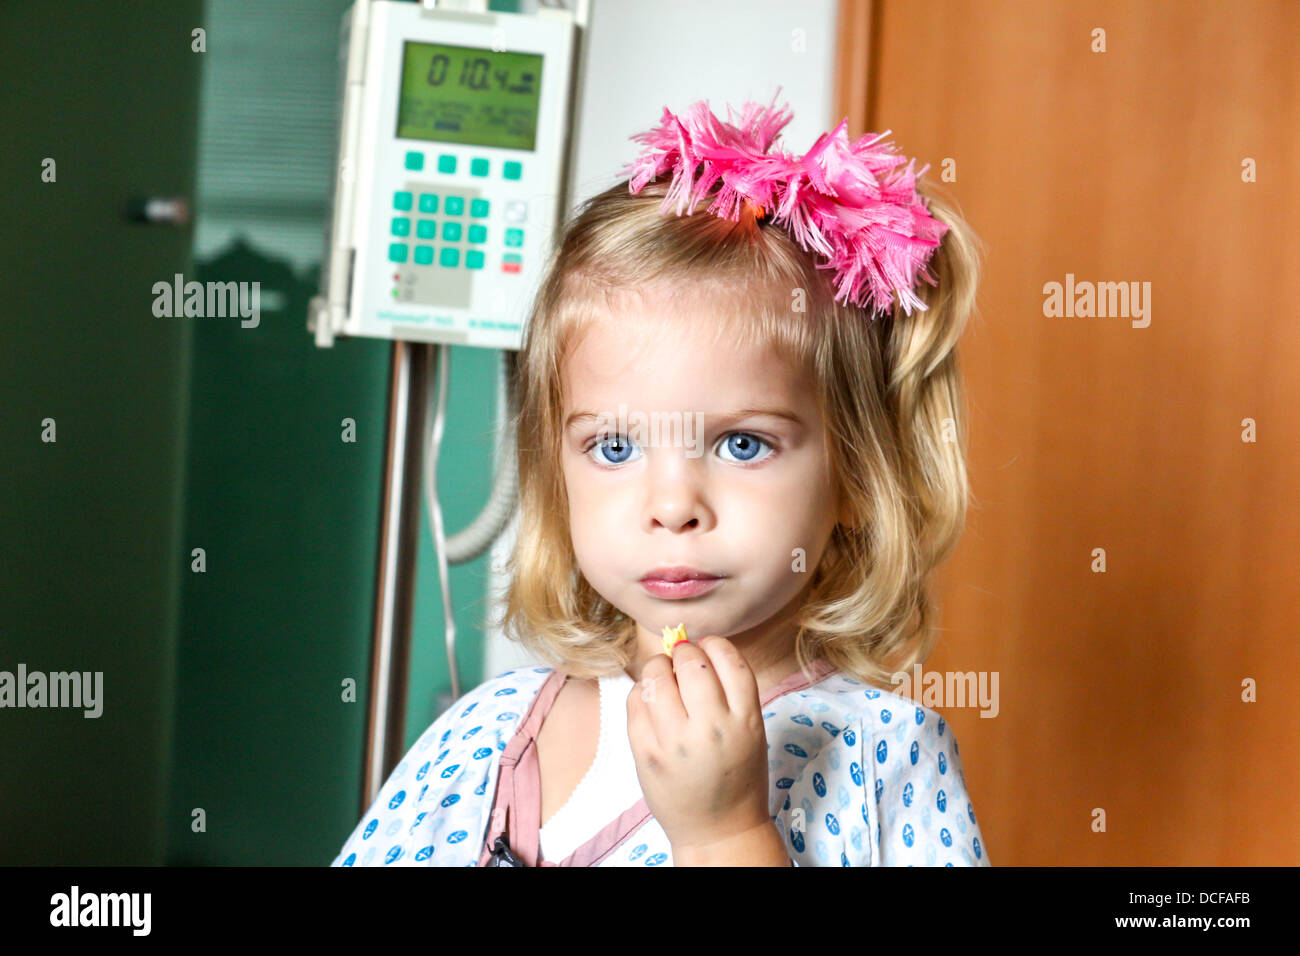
[[474, 540]]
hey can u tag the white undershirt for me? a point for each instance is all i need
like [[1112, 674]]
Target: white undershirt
[[610, 785]]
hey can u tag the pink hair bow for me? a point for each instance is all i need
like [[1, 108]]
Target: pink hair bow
[[848, 202]]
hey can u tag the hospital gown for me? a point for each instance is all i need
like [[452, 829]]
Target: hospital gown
[[858, 777]]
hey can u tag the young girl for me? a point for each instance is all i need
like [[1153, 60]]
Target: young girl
[[746, 420]]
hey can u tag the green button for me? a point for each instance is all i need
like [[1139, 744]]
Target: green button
[[428, 202], [424, 255], [402, 201], [446, 163], [512, 170], [397, 252], [401, 226], [478, 208], [478, 167], [455, 205], [477, 233], [514, 237], [474, 259], [426, 229], [451, 231], [415, 160], [449, 256], [511, 257]]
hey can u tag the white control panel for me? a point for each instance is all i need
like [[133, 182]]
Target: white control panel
[[451, 158]]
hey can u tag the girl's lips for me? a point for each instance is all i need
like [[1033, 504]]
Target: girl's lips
[[674, 590]]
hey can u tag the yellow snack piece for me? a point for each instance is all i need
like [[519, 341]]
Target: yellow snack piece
[[672, 637]]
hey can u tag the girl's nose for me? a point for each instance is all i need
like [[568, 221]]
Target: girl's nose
[[675, 519], [678, 501]]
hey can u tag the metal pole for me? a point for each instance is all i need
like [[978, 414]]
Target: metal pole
[[399, 540]]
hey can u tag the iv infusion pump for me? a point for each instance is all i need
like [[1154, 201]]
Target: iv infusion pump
[[453, 133]]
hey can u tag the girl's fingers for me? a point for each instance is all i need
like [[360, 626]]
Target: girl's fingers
[[734, 675], [697, 679], [656, 700]]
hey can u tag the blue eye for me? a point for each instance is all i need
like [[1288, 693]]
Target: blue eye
[[620, 450], [744, 445]]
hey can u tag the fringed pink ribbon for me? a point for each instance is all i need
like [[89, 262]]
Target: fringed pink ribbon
[[848, 202]]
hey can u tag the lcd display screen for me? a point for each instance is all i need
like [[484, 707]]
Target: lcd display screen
[[469, 95]]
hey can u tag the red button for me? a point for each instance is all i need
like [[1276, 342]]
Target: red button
[[510, 267]]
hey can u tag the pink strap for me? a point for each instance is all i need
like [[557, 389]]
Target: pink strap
[[517, 807], [517, 804]]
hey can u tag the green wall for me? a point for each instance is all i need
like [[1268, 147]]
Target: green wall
[[288, 515], [222, 689], [288, 512], [90, 523]]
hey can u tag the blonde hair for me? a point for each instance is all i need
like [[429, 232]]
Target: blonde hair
[[889, 390]]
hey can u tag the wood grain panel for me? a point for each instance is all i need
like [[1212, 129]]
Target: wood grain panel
[[1119, 690]]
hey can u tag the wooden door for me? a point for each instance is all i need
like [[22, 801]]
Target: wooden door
[[1120, 691]]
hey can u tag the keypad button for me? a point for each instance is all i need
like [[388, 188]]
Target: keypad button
[[415, 161], [477, 233], [424, 255], [446, 163], [478, 167], [474, 259], [426, 229], [428, 202], [455, 205], [514, 237], [451, 231], [449, 257], [516, 211], [401, 226], [402, 201], [512, 170], [397, 252], [478, 208]]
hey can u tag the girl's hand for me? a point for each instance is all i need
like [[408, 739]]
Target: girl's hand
[[695, 725]]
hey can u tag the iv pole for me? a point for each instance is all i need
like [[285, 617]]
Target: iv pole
[[399, 541], [406, 454]]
